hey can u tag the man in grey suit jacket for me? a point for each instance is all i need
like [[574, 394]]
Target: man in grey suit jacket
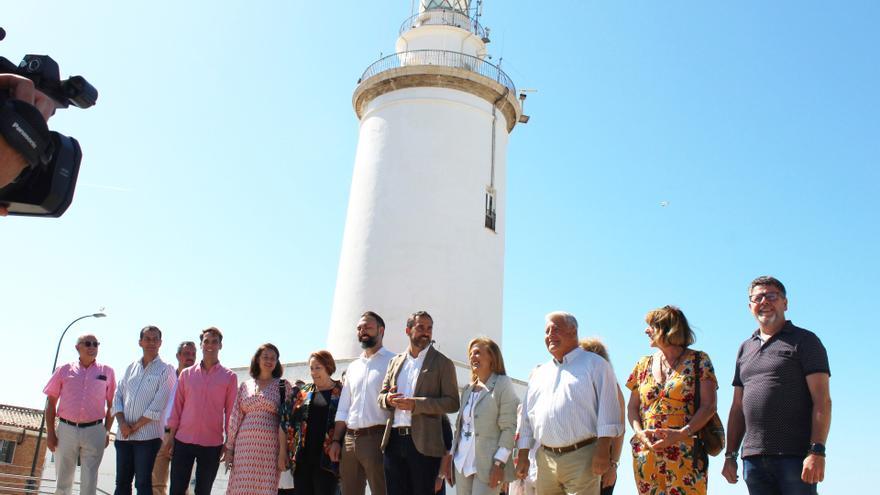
[[420, 387]]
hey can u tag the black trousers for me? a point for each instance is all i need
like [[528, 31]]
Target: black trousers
[[207, 460], [309, 478], [408, 471]]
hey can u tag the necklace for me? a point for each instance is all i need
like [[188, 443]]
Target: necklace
[[667, 370]]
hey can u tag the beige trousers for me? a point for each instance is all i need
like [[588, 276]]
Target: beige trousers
[[570, 473], [85, 443], [471, 485]]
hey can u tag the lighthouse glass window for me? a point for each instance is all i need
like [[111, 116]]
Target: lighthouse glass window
[[490, 211], [459, 5]]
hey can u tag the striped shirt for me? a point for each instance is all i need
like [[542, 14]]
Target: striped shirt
[[144, 392], [570, 401]]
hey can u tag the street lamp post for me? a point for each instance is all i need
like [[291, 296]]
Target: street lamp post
[[31, 481]]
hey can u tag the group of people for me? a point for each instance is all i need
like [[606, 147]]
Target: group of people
[[386, 424]]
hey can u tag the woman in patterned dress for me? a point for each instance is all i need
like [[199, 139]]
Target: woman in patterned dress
[[662, 409], [252, 441]]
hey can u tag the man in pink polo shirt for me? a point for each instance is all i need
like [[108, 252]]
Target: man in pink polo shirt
[[197, 427], [81, 397]]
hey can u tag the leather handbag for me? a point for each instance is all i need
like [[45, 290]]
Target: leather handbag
[[711, 435]]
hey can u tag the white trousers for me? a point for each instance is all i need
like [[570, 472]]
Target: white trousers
[[85, 443]]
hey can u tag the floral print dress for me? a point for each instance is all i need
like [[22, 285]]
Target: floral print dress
[[668, 405]]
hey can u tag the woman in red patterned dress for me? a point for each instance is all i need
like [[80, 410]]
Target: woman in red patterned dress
[[252, 440]]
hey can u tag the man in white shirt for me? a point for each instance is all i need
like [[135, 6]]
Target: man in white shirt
[[570, 414], [360, 421]]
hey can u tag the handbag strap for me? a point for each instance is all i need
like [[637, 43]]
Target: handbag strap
[[697, 382]]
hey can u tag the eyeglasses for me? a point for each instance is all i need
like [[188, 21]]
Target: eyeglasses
[[90, 343], [769, 296]]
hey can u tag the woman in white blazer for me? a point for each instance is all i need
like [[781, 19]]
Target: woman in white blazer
[[486, 424]]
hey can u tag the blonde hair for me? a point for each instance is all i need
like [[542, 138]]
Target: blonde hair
[[594, 345], [494, 353], [672, 325]]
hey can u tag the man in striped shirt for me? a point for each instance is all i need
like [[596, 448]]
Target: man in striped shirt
[[139, 407], [570, 413]]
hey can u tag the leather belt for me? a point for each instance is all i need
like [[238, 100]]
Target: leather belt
[[569, 448], [403, 430], [359, 432], [81, 425]]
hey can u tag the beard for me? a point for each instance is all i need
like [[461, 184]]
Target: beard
[[368, 342]]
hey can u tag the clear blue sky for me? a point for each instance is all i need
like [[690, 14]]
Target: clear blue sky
[[218, 163]]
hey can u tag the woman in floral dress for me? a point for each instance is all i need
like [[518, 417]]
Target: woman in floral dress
[[662, 410], [252, 441]]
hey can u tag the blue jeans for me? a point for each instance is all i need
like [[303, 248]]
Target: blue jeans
[[134, 461], [776, 475]]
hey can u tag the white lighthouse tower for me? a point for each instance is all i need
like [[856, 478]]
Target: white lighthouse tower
[[425, 222]]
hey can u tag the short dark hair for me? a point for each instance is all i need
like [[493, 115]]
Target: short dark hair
[[183, 344], [411, 321], [326, 360], [255, 361], [767, 280], [214, 330], [372, 314], [150, 328], [672, 324]]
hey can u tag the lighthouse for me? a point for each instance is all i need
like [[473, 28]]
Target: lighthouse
[[425, 223]]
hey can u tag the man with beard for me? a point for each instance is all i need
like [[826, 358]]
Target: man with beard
[[781, 410], [420, 387], [360, 421]]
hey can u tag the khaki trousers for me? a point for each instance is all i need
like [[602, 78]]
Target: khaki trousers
[[85, 443], [471, 485], [160, 473], [570, 473], [362, 462]]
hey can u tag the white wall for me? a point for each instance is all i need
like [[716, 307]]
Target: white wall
[[414, 236]]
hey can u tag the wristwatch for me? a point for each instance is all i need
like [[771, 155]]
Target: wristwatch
[[731, 455], [499, 464], [817, 449], [615, 464]]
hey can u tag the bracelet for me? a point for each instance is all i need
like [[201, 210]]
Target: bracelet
[[731, 455], [616, 463]]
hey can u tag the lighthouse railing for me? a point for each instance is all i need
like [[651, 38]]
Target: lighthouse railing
[[445, 17], [441, 58]]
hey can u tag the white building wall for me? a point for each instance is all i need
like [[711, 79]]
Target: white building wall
[[415, 236]]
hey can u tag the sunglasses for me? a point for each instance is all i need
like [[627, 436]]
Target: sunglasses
[[90, 343]]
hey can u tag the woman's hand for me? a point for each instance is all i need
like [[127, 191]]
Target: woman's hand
[[646, 437], [666, 437]]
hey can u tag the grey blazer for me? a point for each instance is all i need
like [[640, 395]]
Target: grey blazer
[[494, 424]]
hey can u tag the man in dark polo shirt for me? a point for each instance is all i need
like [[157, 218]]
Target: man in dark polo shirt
[[781, 409]]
